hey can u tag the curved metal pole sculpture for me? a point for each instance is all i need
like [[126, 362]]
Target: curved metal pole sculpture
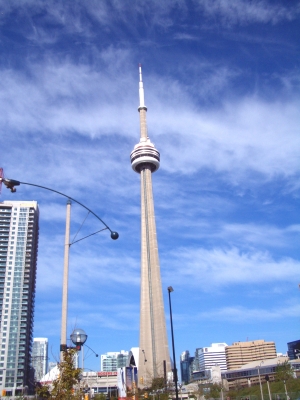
[[11, 183]]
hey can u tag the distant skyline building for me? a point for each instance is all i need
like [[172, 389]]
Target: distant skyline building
[[51, 365], [19, 230], [40, 358], [154, 356], [113, 360], [186, 366], [122, 359], [294, 350], [241, 353], [211, 356]]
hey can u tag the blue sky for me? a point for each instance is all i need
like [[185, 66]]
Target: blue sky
[[221, 82]]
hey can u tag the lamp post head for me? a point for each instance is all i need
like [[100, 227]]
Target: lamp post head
[[10, 184], [114, 235], [170, 289], [78, 337]]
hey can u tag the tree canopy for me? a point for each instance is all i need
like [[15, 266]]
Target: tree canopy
[[284, 371], [66, 385]]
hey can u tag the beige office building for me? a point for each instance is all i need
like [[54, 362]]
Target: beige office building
[[241, 353], [154, 357]]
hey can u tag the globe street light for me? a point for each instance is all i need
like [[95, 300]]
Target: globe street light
[[78, 337], [170, 289]]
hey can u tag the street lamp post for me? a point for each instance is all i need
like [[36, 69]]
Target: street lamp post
[[261, 391], [267, 378], [180, 387], [170, 289], [64, 305], [285, 389]]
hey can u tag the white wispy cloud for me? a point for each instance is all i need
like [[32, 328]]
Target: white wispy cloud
[[75, 16], [263, 236], [225, 267], [248, 135], [245, 12], [239, 314], [241, 136]]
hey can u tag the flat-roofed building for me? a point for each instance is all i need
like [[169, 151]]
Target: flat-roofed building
[[113, 360], [255, 372], [211, 356], [241, 353]]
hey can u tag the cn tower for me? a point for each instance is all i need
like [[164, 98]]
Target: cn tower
[[154, 357]]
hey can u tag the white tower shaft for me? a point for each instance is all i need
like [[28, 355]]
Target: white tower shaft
[[154, 358]]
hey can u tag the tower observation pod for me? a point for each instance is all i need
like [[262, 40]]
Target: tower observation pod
[[144, 153], [154, 356]]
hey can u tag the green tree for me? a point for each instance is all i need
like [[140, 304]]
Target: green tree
[[284, 372], [215, 391], [43, 391], [100, 396], [66, 385], [157, 383]]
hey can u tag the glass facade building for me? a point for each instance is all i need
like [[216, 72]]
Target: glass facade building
[[113, 360], [294, 350], [19, 228], [39, 358], [122, 359], [186, 366]]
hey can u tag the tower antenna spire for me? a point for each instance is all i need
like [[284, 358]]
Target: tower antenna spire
[[141, 91]]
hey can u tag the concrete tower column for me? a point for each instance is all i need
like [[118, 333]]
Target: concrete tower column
[[153, 347]]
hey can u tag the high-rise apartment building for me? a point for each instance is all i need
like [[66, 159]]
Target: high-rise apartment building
[[241, 353], [208, 357], [113, 360], [39, 358], [154, 356], [19, 228]]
